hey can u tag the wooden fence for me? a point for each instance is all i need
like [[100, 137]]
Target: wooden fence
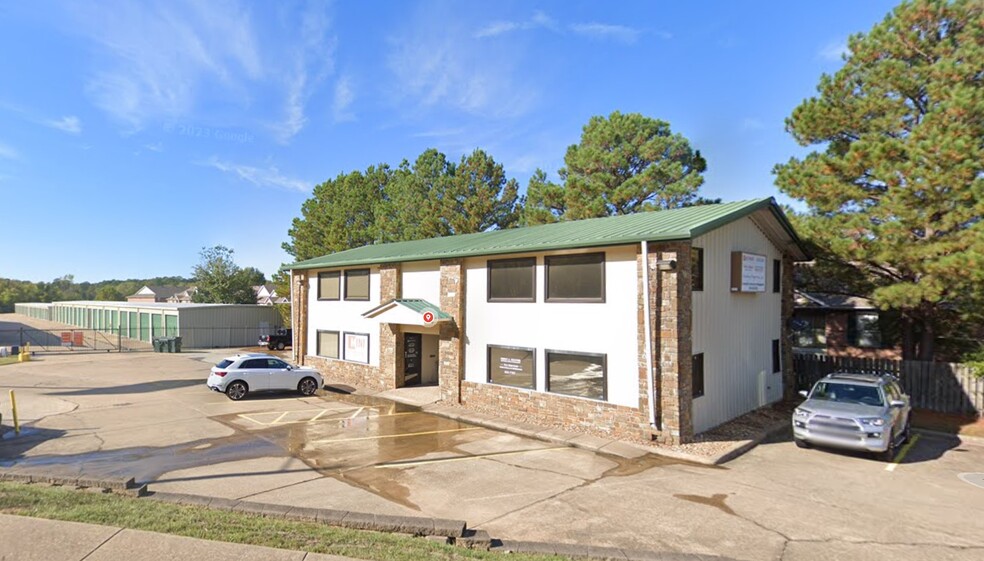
[[936, 386]]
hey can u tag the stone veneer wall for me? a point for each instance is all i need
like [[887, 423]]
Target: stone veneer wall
[[451, 352], [593, 417], [299, 307], [674, 344]]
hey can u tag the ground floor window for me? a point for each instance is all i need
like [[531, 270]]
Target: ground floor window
[[577, 374], [357, 347], [328, 344], [697, 375], [512, 366]]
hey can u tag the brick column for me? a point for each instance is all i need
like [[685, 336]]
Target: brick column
[[786, 334], [641, 320], [674, 345], [390, 335], [299, 303], [452, 355]]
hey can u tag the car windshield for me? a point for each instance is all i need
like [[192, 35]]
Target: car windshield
[[847, 393], [224, 364]]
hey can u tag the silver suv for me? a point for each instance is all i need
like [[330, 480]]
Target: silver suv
[[864, 412]]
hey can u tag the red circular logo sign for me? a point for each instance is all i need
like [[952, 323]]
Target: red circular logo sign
[[428, 317]]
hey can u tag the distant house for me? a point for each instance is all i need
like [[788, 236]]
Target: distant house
[[839, 325], [266, 295], [162, 293]]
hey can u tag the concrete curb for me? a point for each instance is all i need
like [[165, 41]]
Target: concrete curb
[[417, 526], [120, 485], [452, 532]]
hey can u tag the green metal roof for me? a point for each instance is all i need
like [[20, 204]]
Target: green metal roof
[[664, 225]]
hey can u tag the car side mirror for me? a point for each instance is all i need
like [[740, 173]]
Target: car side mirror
[[289, 367], [895, 403], [804, 393]]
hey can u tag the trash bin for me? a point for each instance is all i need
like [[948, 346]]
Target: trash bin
[[158, 344], [177, 344]]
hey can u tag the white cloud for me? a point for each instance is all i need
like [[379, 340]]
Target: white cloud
[[155, 147], [69, 124], [537, 20], [8, 153], [155, 58], [435, 65], [261, 177], [597, 30], [313, 61], [439, 133], [344, 96], [833, 51]]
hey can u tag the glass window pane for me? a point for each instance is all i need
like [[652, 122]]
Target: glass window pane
[[329, 285], [357, 284], [512, 279], [328, 344], [512, 367], [576, 374], [697, 268], [576, 277]]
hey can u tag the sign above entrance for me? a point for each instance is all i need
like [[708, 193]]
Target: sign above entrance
[[429, 319]]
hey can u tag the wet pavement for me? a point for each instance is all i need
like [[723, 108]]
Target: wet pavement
[[150, 417]]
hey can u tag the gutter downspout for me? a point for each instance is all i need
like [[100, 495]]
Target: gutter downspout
[[648, 333]]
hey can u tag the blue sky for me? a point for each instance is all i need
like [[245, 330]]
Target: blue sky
[[132, 134]]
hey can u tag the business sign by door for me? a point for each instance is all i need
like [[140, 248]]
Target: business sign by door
[[412, 343]]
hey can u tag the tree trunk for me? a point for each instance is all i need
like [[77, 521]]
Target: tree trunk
[[927, 341], [908, 337]]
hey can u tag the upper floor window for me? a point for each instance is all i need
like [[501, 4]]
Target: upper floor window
[[776, 275], [512, 280], [329, 285], [576, 278], [357, 284]]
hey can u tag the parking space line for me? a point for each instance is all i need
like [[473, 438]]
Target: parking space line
[[466, 458], [318, 416], [902, 453], [380, 436], [346, 416], [282, 415], [357, 411]]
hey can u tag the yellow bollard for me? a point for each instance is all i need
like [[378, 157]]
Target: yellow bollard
[[13, 409], [25, 354]]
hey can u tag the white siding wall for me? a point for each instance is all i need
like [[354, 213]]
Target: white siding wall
[[735, 331], [422, 279], [610, 327], [343, 315]]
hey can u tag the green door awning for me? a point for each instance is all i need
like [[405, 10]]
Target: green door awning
[[409, 311]]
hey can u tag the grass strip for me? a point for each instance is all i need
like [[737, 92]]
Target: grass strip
[[8, 360], [59, 503]]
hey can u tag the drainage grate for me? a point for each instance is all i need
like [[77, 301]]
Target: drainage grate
[[975, 479]]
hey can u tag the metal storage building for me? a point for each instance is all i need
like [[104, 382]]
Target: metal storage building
[[198, 325], [38, 310]]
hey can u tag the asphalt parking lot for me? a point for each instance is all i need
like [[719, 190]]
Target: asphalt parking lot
[[150, 416]]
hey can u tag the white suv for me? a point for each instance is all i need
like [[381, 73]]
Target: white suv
[[238, 375]]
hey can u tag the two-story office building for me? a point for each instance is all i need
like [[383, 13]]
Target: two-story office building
[[652, 325]]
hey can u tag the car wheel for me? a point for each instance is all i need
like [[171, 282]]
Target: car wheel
[[280, 346], [236, 390], [889, 454], [801, 443], [307, 386]]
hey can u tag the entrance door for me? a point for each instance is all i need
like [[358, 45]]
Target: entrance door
[[412, 343]]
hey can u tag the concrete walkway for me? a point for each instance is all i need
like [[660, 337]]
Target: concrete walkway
[[36, 539]]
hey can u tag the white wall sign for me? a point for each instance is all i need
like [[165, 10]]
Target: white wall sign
[[356, 347], [747, 272]]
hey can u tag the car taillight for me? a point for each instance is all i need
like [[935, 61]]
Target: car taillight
[[219, 374]]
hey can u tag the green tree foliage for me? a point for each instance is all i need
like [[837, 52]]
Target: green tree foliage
[[625, 163], [221, 281], [65, 288], [897, 193], [339, 215], [432, 197]]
